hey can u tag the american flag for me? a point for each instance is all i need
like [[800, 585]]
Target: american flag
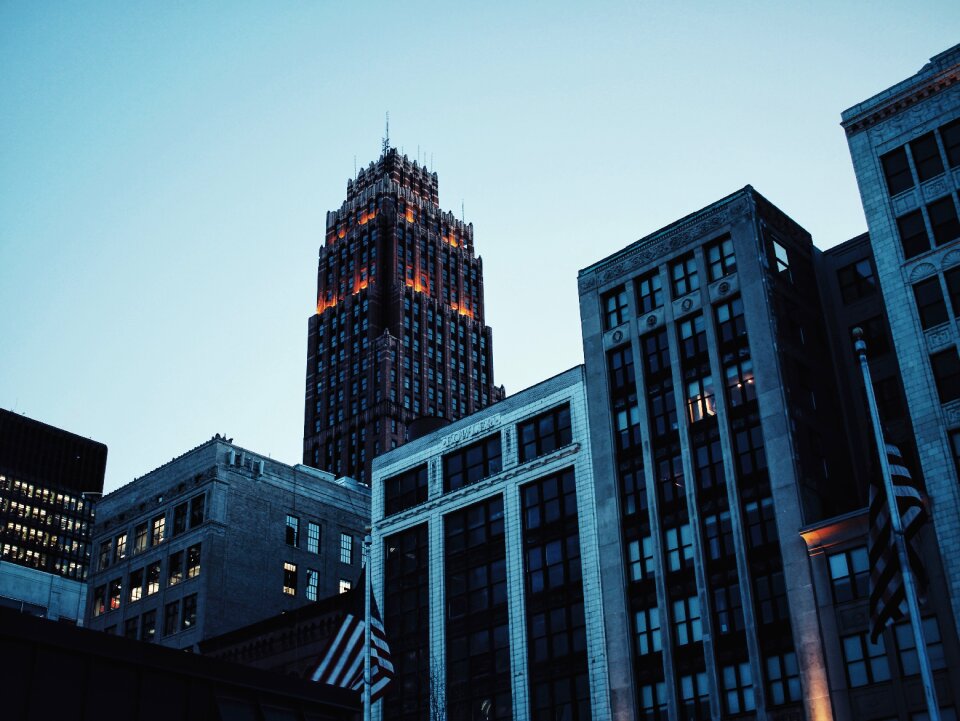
[[342, 662], [888, 602]]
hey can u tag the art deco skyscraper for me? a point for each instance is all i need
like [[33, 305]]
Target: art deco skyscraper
[[399, 331]]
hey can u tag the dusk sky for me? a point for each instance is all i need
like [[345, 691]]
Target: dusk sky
[[166, 169]]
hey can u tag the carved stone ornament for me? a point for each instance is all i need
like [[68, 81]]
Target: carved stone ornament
[[723, 288], [939, 336], [904, 202], [617, 336], [686, 305], [934, 189], [651, 321], [950, 259], [923, 270], [952, 413]]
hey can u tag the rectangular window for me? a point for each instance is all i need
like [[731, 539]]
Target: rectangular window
[[946, 374], [140, 538], [782, 258], [694, 697], [158, 526], [738, 688], [193, 561], [728, 608], [943, 220], [701, 403], [131, 627], [653, 701], [313, 583], [950, 135], [718, 536], [913, 234], [344, 585], [197, 510], [473, 463], [189, 619], [290, 579], [647, 631], [175, 568], [136, 585], [346, 548], [687, 625], [926, 157], [640, 558], [849, 574], [120, 548], [679, 543], [783, 679], [405, 490], [875, 335], [153, 578], [896, 170], [148, 626], [907, 647], [115, 591], [856, 281], [649, 293], [760, 525], [930, 305], [730, 322], [313, 537], [106, 553], [866, 662], [740, 387], [614, 307], [99, 600], [180, 518], [720, 258], [952, 278], [545, 433], [683, 275], [292, 531], [171, 615]]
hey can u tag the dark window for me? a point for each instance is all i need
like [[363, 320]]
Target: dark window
[[771, 597], [874, 335], [946, 374], [740, 386], [663, 408], [614, 307], [683, 275], [694, 697], [649, 293], [292, 531], [738, 688], [896, 169], [907, 646], [866, 662], [197, 508], [926, 157], [99, 600], [730, 321], [640, 560], [653, 701], [148, 626], [140, 538], [943, 220], [646, 629], [849, 574], [748, 450], [171, 615], [405, 490], [930, 305], [708, 462], [718, 536], [656, 352], [175, 568], [669, 470], [955, 447], [728, 608], [622, 379], [952, 277], [131, 627], [856, 280], [633, 486], [783, 679], [679, 547], [889, 400], [720, 258], [913, 234], [471, 464], [693, 337], [180, 519], [950, 134], [687, 622], [545, 433], [189, 619], [760, 523]]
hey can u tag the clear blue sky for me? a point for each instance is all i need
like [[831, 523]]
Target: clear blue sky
[[165, 170]]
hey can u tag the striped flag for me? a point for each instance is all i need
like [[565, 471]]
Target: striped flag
[[888, 602], [342, 662]]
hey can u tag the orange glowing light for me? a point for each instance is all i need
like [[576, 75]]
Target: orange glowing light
[[359, 285], [323, 305], [409, 215], [450, 240], [342, 232]]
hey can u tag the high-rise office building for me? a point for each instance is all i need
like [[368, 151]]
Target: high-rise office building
[[716, 436], [399, 328], [49, 480], [905, 146]]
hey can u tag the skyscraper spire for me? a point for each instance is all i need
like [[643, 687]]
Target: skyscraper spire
[[386, 137]]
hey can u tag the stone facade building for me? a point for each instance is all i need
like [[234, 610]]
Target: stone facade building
[[399, 329], [219, 538]]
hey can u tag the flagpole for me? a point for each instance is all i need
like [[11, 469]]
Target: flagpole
[[367, 541], [909, 584]]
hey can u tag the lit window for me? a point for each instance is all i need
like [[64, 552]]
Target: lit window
[[120, 548], [193, 561], [175, 568], [344, 585], [292, 532], [136, 585], [158, 526], [153, 578], [313, 537], [99, 600], [695, 696], [313, 583], [290, 579], [700, 399], [346, 548], [679, 542]]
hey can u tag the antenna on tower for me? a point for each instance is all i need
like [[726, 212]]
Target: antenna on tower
[[463, 215], [386, 135], [354, 166]]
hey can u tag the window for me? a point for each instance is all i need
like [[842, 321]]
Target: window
[[131, 627], [157, 525], [189, 619], [760, 522], [950, 135], [346, 548], [649, 292], [693, 337], [748, 449], [718, 536], [99, 600], [952, 277], [171, 614], [313, 583], [153, 578], [679, 542], [197, 509], [926, 157], [640, 558], [781, 257], [545, 433], [946, 374], [913, 234], [875, 335], [866, 662], [193, 561], [687, 626], [700, 399], [720, 258], [896, 170], [472, 463], [849, 574], [730, 322], [180, 518], [290, 579], [783, 679], [140, 538], [136, 585], [614, 307], [175, 568], [106, 553], [148, 626], [344, 585], [683, 275], [694, 697], [856, 281], [728, 608], [120, 548], [738, 688], [313, 537], [907, 647], [771, 597], [943, 220], [292, 531], [740, 387], [653, 701], [405, 490], [647, 631]]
